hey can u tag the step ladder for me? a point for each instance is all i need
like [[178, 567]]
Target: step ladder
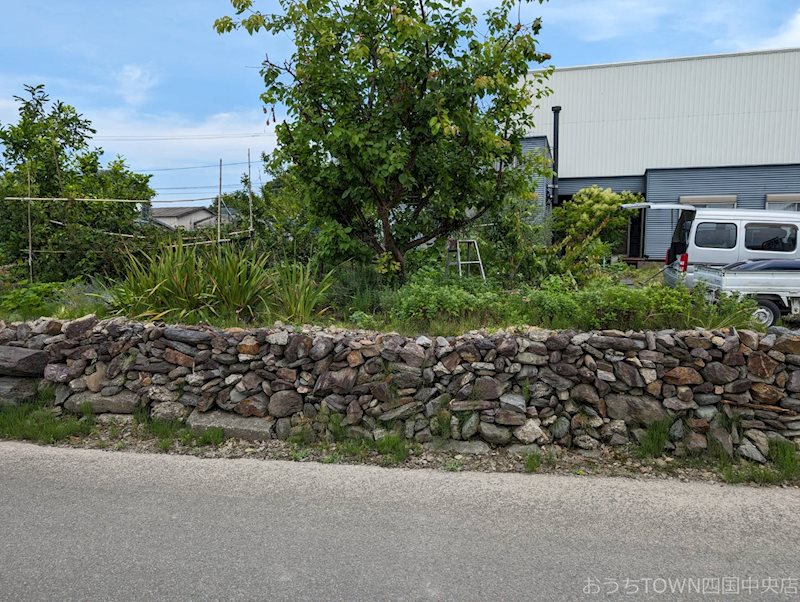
[[463, 254]]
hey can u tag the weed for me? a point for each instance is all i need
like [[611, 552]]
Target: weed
[[338, 432], [330, 458], [165, 444], [453, 465], [785, 458], [211, 436], [300, 454], [393, 448], [655, 438], [533, 461], [550, 458]]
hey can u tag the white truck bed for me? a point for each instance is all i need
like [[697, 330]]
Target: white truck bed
[[781, 283]]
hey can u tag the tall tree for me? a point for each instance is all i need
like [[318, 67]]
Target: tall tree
[[47, 153], [404, 119]]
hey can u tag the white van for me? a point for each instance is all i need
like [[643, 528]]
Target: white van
[[718, 237]]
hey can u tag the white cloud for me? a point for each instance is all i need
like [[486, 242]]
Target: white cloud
[[159, 140], [598, 20], [134, 84], [787, 37]]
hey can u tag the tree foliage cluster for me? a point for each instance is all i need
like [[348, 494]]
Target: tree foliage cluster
[[404, 120], [47, 153]]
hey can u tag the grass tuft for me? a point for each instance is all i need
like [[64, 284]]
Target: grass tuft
[[655, 438], [533, 461], [35, 422]]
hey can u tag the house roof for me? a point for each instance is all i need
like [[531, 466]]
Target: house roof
[[160, 212]]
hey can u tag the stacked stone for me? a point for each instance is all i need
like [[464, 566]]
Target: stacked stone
[[737, 389]]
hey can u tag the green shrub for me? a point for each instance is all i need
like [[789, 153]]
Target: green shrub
[[298, 294], [194, 284]]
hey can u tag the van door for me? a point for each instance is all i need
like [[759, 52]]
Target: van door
[[768, 240], [714, 242]]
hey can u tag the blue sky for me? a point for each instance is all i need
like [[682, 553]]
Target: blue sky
[[155, 68]]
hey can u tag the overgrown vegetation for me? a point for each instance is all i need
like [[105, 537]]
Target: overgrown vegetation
[[784, 466], [36, 422]]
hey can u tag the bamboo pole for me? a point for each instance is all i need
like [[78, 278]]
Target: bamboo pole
[[219, 205]]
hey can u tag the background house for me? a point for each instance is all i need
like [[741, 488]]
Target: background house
[[191, 218], [720, 130], [185, 218]]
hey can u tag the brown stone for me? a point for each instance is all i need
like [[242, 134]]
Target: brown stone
[[248, 346], [451, 361], [697, 424], [788, 344], [174, 356], [355, 359], [470, 405], [287, 374], [761, 365], [683, 375], [749, 338], [720, 374], [253, 406], [766, 393]]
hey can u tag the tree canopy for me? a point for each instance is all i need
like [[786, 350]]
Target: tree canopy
[[47, 153], [404, 117]]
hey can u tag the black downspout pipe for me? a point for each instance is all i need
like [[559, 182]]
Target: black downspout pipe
[[556, 112]]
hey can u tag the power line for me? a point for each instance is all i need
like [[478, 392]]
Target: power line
[[122, 138], [208, 166]]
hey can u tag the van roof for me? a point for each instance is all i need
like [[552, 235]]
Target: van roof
[[757, 214]]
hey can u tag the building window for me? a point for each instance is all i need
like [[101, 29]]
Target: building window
[[780, 238], [711, 201], [783, 202], [710, 235]]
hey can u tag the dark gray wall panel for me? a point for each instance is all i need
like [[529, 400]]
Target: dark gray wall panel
[[751, 185]]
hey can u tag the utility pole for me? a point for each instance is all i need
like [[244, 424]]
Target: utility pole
[[219, 205], [30, 230], [250, 192]]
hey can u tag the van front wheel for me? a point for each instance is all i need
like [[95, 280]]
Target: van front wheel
[[767, 312]]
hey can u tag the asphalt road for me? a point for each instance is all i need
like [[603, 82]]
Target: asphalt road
[[93, 525]]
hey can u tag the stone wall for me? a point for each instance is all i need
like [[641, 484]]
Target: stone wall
[[581, 390]]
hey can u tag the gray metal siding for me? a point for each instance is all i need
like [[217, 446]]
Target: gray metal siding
[[734, 109], [538, 144], [751, 185], [617, 184]]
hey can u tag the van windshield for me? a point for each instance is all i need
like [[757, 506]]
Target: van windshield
[[680, 237]]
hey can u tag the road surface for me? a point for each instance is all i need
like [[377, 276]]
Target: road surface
[[94, 525]]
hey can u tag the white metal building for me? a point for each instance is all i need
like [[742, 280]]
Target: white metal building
[[720, 130]]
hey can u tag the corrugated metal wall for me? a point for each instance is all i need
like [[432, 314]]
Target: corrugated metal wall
[[750, 184], [538, 144], [737, 109], [617, 184]]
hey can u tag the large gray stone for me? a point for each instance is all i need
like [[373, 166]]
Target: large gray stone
[[18, 361], [124, 402], [339, 381], [495, 434], [169, 411], [459, 447], [749, 451], [186, 335], [15, 390], [285, 403], [635, 409], [233, 425]]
